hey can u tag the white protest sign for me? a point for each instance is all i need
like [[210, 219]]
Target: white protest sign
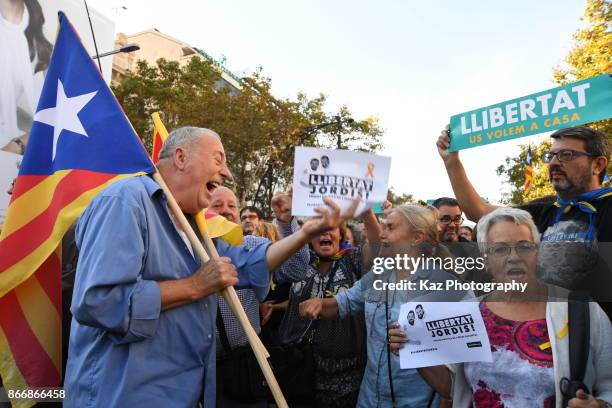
[[443, 333], [341, 175]]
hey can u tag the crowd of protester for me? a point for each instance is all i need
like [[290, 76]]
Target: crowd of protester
[[147, 328]]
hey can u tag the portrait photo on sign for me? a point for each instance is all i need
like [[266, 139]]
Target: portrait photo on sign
[[341, 175]]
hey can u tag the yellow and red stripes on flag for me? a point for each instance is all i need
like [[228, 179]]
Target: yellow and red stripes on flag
[[41, 211], [218, 226], [160, 134], [46, 201], [528, 171], [30, 335], [528, 177], [42, 208]]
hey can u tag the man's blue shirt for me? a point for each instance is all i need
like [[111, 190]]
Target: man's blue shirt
[[124, 351]]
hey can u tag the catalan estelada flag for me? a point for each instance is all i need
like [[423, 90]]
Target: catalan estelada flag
[[80, 142], [528, 170]]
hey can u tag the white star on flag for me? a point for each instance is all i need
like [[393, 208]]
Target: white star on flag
[[65, 114]]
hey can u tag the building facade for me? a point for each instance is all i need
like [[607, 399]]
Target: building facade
[[155, 45]]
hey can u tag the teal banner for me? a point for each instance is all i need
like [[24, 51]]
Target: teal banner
[[378, 208], [575, 104]]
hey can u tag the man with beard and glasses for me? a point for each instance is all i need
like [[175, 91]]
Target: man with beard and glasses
[[577, 223], [450, 217]]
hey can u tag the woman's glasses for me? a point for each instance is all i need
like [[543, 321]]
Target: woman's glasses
[[503, 250]]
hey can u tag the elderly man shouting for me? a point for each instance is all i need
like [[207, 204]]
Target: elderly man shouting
[[144, 306]]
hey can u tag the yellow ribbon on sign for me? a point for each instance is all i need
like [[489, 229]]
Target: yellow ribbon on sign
[[370, 172]]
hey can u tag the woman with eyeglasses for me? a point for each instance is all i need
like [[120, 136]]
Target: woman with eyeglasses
[[409, 230], [577, 165], [528, 333]]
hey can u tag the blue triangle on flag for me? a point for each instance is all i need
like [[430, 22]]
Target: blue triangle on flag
[[79, 125], [528, 158]]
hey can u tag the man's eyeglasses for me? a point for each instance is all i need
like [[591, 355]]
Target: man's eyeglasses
[[503, 250], [447, 219], [564, 155]]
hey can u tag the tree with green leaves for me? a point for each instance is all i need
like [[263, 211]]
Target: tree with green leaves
[[399, 199], [514, 171], [589, 57], [259, 131]]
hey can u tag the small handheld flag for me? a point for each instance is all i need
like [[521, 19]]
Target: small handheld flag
[[160, 134], [219, 227], [528, 170]]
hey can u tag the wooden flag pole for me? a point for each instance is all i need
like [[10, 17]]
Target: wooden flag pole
[[229, 293], [197, 246], [239, 313]]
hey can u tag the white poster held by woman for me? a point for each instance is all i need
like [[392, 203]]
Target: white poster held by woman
[[341, 175]]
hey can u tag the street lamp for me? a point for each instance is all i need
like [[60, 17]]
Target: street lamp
[[126, 48]]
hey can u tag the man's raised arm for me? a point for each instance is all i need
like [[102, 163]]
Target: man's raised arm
[[469, 199]]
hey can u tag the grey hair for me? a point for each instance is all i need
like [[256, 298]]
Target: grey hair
[[511, 214], [183, 137]]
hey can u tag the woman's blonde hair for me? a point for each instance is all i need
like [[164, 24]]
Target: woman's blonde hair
[[424, 219], [267, 230]]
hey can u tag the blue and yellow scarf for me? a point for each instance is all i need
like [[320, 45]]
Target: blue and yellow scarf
[[583, 203]]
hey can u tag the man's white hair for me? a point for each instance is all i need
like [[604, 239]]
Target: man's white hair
[[183, 137], [511, 214], [221, 189]]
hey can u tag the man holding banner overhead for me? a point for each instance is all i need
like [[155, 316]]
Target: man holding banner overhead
[[577, 225]]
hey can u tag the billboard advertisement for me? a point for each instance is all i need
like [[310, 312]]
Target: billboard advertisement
[[27, 34]]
